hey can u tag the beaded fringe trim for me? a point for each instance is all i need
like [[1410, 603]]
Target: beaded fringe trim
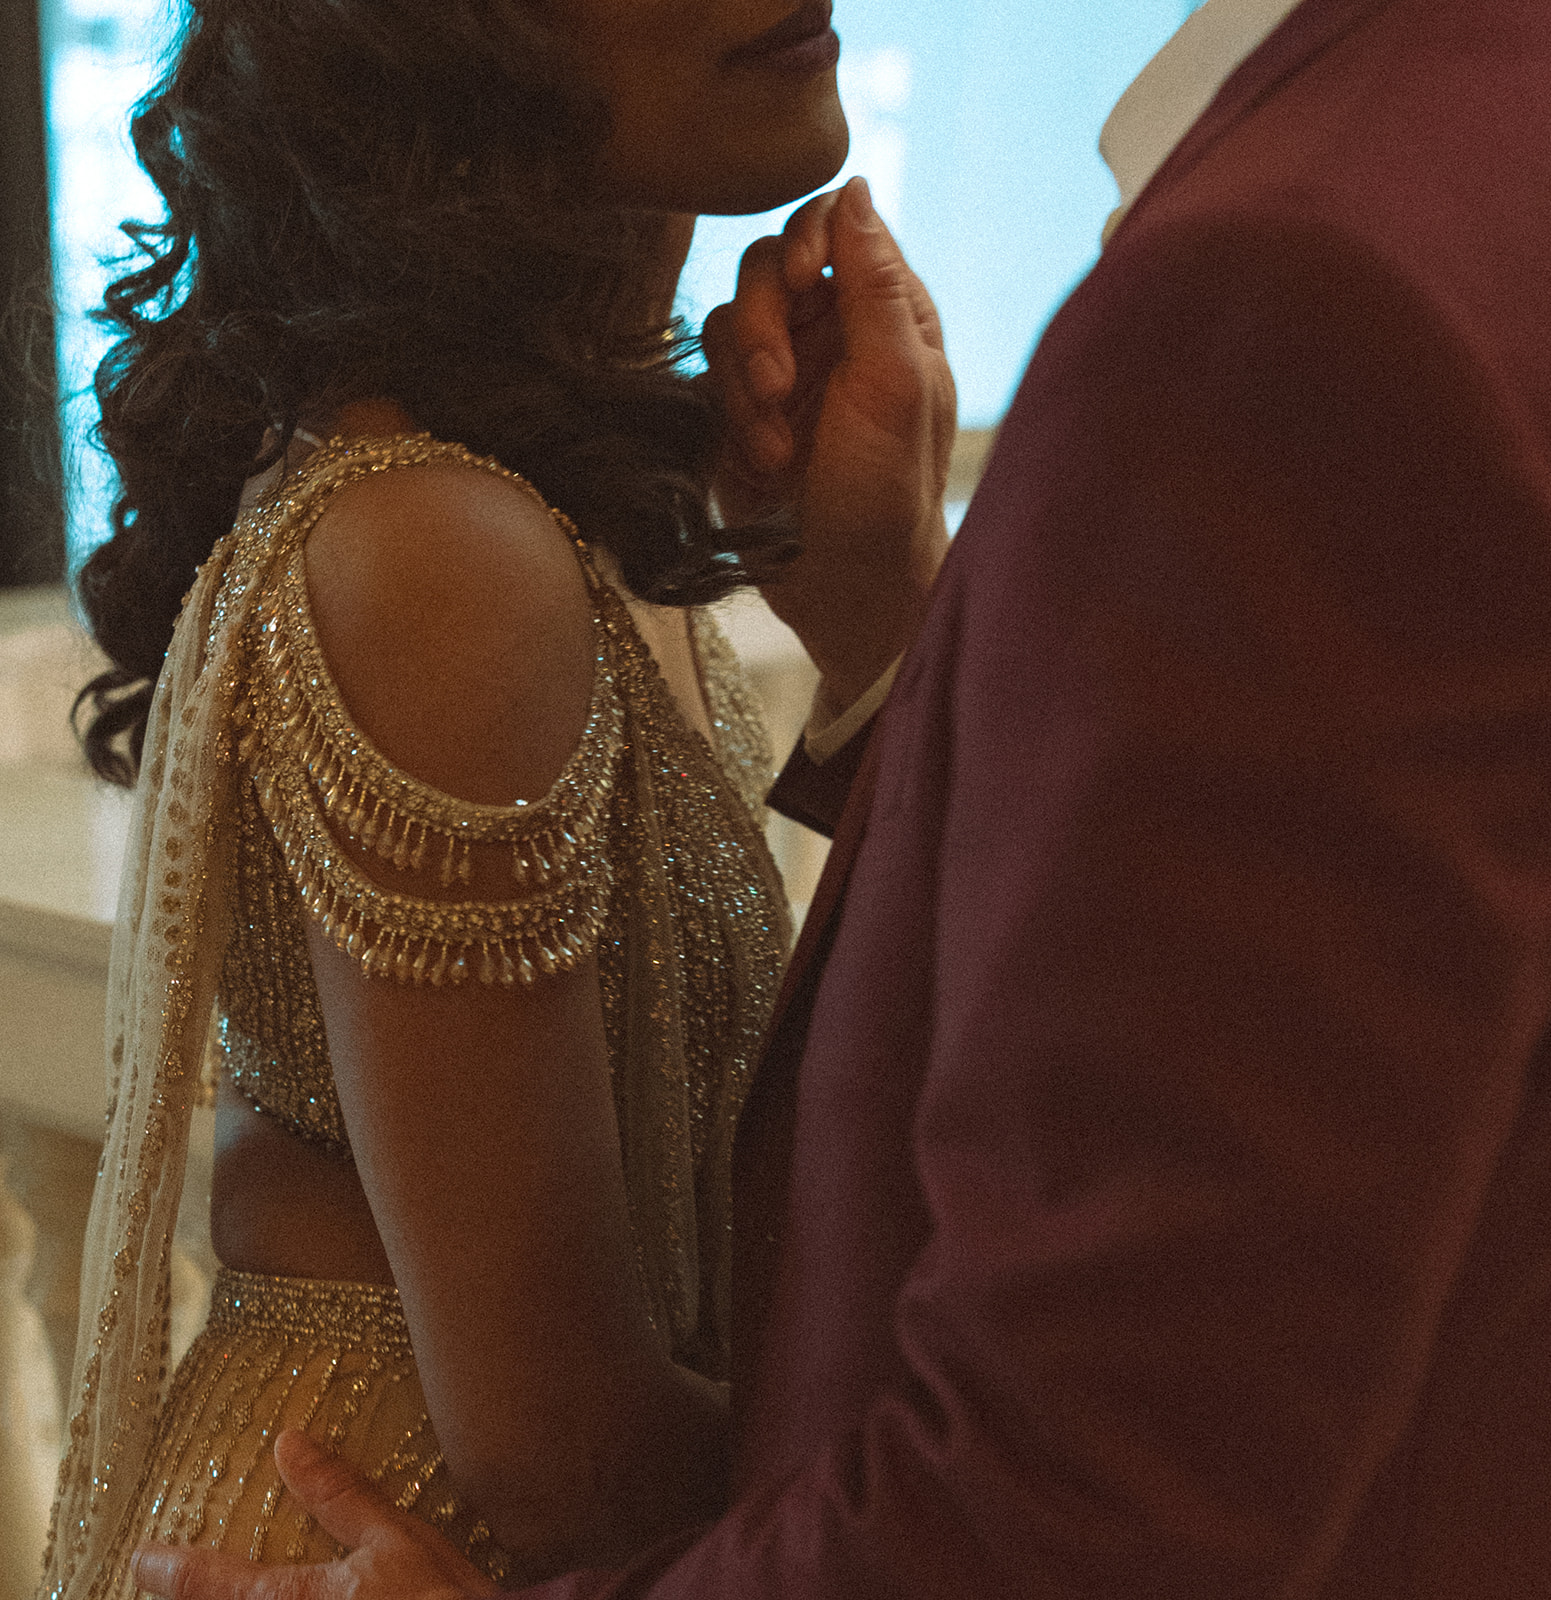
[[318, 778]]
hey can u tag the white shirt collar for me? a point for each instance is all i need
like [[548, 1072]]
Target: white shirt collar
[[1177, 86]]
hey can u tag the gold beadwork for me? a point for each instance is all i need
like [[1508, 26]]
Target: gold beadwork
[[271, 1029], [318, 776]]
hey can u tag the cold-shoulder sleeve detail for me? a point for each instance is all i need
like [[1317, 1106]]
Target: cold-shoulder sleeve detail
[[320, 781]]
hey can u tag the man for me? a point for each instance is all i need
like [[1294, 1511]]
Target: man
[[1147, 1191]]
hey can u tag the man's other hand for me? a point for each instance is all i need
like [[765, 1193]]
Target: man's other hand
[[842, 408], [393, 1556]]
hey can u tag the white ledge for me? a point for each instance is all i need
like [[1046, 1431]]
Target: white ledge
[[79, 944], [62, 840]]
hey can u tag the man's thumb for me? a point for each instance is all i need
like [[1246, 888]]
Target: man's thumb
[[873, 283], [341, 1501]]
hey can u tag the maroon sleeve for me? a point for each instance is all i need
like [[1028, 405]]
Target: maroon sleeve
[[815, 794], [1241, 951]]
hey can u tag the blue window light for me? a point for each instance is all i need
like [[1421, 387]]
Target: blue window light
[[976, 121]]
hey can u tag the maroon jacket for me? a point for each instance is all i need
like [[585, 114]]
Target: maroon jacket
[[1147, 1191]]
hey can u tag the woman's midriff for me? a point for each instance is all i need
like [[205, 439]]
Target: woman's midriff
[[283, 1207]]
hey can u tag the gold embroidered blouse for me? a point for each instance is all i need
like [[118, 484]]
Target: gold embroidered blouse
[[647, 852]]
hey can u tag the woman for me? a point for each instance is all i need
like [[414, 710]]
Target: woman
[[479, 1056]]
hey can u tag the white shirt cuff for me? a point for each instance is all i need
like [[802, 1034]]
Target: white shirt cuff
[[825, 736]]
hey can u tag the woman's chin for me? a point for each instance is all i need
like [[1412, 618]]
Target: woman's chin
[[798, 172], [772, 166]]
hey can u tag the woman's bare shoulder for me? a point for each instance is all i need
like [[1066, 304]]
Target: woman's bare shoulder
[[457, 622]]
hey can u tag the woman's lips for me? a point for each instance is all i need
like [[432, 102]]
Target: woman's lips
[[802, 42]]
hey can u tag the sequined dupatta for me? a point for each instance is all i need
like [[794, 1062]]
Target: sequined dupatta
[[167, 947]]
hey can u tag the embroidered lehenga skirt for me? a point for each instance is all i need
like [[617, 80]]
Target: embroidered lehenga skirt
[[332, 1359]]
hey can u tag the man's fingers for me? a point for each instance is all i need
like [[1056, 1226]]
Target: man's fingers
[[418, 1559], [345, 1506], [183, 1574], [806, 241], [810, 240], [352, 1512], [927, 318], [761, 322], [877, 293], [759, 432]]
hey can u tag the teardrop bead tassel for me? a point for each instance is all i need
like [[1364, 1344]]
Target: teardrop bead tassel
[[439, 968], [508, 972], [466, 865], [418, 971], [402, 971], [401, 854], [446, 869], [368, 832], [417, 855], [385, 846], [486, 966]]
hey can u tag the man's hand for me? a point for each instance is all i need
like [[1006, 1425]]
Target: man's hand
[[393, 1556], [842, 407]]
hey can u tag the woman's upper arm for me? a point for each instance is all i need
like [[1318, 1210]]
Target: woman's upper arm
[[456, 623]]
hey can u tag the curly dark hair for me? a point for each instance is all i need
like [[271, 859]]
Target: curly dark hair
[[384, 198]]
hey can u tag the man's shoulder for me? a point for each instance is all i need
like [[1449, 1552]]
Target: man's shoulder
[[1374, 128]]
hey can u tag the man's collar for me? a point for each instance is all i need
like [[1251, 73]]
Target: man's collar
[[1176, 87]]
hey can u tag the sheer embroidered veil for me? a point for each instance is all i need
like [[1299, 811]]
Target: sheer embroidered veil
[[167, 951]]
